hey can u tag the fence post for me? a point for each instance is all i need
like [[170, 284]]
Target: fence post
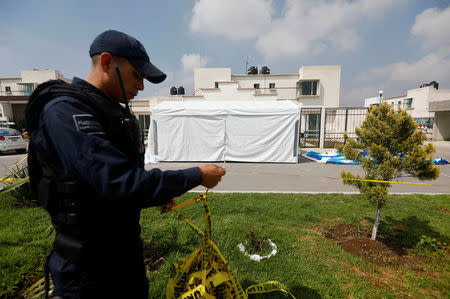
[[322, 127]]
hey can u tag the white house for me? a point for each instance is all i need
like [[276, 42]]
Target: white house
[[316, 87], [415, 102], [15, 92], [428, 105]]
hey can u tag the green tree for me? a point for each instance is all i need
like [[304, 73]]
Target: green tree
[[394, 147]]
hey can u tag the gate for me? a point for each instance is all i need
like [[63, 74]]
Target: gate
[[310, 127], [340, 120]]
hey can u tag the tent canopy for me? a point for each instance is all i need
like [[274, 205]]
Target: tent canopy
[[224, 131]]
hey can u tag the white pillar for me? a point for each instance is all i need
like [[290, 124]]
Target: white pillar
[[322, 127]]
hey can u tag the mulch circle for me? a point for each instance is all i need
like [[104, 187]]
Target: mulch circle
[[372, 251], [356, 240]]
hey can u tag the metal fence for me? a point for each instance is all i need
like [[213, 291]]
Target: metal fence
[[310, 127], [340, 120]]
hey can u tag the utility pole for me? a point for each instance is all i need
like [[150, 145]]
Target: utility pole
[[246, 65]]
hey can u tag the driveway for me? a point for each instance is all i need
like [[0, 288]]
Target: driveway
[[309, 177], [305, 177]]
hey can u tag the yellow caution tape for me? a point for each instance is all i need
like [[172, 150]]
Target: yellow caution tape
[[190, 201], [198, 292], [334, 178], [10, 180], [266, 287], [205, 273], [388, 182]]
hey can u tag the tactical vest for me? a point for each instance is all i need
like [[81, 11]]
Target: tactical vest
[[76, 213]]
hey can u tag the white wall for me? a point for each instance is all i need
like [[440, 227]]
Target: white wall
[[421, 98], [329, 89], [441, 126], [12, 83], [205, 77], [230, 91], [40, 76], [285, 84], [371, 101]]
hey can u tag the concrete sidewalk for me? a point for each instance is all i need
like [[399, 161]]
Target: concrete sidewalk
[[309, 177]]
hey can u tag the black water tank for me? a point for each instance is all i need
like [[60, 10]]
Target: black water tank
[[253, 70], [181, 90], [173, 91], [435, 84], [265, 70]]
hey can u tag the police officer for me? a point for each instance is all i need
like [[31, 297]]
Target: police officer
[[86, 167]]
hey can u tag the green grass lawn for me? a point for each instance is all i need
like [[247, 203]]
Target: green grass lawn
[[307, 263]]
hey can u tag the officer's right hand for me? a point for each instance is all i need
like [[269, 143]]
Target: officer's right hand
[[211, 175]]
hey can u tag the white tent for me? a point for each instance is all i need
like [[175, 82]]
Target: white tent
[[265, 131]]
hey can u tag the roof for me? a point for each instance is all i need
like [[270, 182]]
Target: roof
[[209, 108]]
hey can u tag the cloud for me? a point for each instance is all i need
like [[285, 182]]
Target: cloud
[[234, 19], [304, 27], [191, 61], [182, 77], [432, 27], [396, 78], [354, 97], [435, 64]]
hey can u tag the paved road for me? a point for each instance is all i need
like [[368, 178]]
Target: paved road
[[305, 177], [309, 177]]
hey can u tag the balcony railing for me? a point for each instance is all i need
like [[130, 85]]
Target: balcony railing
[[16, 93], [18, 89]]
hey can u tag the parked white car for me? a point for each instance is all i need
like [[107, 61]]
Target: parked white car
[[12, 140]]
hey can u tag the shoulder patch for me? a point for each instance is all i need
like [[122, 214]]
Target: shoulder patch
[[86, 123]]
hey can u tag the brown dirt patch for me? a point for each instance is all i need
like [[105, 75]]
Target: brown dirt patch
[[355, 239], [372, 251], [445, 211]]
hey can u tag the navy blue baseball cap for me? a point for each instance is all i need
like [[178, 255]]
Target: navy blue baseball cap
[[121, 44]]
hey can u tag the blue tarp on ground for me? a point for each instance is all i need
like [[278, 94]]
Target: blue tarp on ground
[[319, 156], [342, 160], [440, 161], [337, 158], [330, 158]]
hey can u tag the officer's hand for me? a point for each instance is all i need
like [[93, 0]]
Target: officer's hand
[[166, 208], [211, 175]]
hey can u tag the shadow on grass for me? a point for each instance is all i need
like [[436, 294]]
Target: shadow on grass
[[297, 291], [164, 243], [402, 234]]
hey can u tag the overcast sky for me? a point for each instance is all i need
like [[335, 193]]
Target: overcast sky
[[392, 45]]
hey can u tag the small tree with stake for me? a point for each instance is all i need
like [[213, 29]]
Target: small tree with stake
[[394, 148]]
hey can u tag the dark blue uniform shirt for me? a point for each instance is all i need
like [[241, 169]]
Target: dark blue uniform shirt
[[75, 141]]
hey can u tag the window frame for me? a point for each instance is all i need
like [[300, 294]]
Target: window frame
[[299, 89], [407, 103]]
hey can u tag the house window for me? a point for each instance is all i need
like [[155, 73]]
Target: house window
[[28, 89], [272, 85], [216, 84], [8, 89], [307, 88], [399, 104], [408, 104], [256, 85]]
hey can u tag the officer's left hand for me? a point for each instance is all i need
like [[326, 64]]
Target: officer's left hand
[[166, 208]]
